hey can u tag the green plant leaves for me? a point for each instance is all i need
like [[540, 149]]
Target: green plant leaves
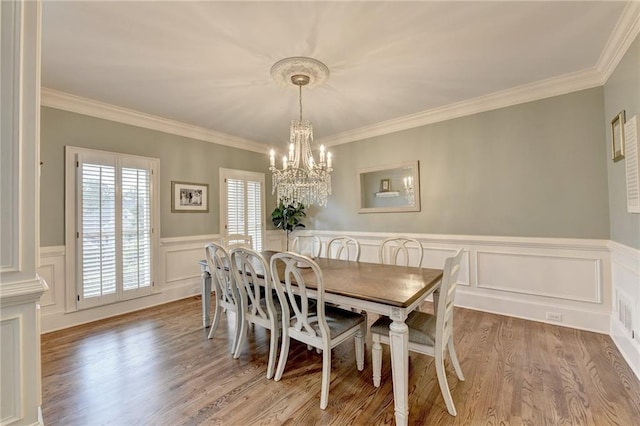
[[288, 217]]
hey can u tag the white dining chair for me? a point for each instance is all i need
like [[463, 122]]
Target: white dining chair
[[257, 301], [227, 297], [343, 247], [232, 241], [428, 334], [310, 245], [396, 249], [324, 329]]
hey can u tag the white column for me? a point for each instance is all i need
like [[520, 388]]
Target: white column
[[20, 286]]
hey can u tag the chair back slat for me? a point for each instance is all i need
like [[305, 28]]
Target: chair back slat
[[394, 249], [286, 269], [309, 245], [445, 308], [218, 261], [250, 266], [345, 248], [232, 241]]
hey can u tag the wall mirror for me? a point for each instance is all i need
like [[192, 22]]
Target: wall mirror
[[389, 188]]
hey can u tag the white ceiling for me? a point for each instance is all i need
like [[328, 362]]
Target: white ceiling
[[207, 63]]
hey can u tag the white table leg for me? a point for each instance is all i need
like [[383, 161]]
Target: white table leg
[[206, 297], [399, 344]]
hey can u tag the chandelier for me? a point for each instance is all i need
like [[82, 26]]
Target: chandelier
[[301, 180]]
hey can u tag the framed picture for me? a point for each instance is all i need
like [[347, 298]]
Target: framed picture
[[617, 137], [385, 185], [189, 197]]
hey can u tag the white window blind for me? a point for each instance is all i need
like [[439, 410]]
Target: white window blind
[[136, 228], [632, 163], [115, 219], [98, 219], [236, 206], [243, 204]]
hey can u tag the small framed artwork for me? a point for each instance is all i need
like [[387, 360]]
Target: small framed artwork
[[189, 197], [385, 185], [617, 137]]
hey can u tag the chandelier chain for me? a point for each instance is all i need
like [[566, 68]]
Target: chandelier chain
[[300, 100]]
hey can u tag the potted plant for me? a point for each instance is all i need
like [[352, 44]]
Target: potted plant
[[288, 218]]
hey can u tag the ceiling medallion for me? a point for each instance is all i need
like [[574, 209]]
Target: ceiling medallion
[[301, 180], [283, 70]]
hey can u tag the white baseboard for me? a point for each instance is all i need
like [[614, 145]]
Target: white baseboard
[[629, 348], [529, 310], [60, 320]]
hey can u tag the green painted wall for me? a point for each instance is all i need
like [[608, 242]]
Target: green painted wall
[[535, 170], [622, 92], [181, 159]]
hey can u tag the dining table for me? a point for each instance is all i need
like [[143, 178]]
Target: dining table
[[383, 289]]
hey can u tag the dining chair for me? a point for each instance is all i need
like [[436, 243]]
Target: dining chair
[[428, 334], [226, 291], [395, 248], [256, 300], [307, 245], [232, 241], [346, 248], [323, 329]]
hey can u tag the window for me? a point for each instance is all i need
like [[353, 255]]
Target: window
[[242, 204], [113, 226]]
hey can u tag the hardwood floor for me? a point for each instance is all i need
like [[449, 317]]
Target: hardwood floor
[[157, 367]]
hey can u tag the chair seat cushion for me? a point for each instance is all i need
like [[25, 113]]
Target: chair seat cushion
[[422, 327], [340, 320], [276, 305]]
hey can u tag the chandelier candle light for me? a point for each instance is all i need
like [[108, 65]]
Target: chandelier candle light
[[408, 188], [301, 180]]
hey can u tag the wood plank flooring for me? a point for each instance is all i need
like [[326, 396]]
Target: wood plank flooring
[[157, 367]]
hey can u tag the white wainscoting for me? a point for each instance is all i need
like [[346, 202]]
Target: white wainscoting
[[178, 277], [11, 369], [559, 281], [578, 282], [533, 278], [625, 266]]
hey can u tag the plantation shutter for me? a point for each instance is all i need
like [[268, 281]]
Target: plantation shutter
[[243, 204], [235, 207], [136, 228], [114, 241], [254, 212], [98, 231]]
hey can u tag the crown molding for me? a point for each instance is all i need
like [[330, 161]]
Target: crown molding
[[67, 102], [625, 32], [526, 93]]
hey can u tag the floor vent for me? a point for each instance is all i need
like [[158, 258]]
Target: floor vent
[[625, 313]]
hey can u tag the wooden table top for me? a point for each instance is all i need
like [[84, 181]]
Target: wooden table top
[[389, 284], [392, 285]]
